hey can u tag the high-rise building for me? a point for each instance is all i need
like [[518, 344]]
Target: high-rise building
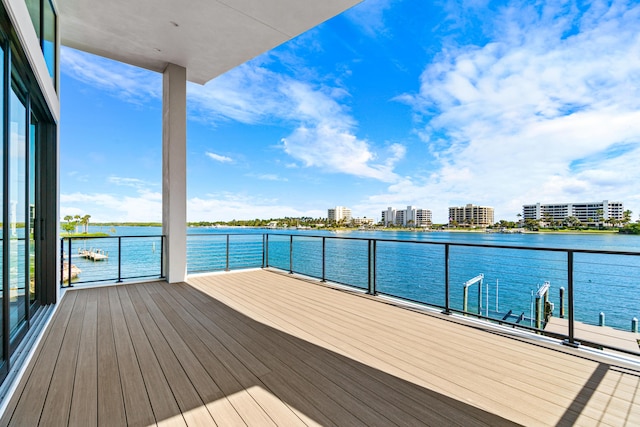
[[339, 213], [589, 212], [471, 215], [410, 217], [423, 218], [389, 216]]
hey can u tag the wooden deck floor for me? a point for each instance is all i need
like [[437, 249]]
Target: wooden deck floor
[[260, 348]]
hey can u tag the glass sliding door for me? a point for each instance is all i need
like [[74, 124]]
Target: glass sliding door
[[32, 223], [28, 184], [18, 248]]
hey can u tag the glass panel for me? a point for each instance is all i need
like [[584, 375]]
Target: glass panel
[[32, 210], [34, 11], [17, 209], [49, 39]]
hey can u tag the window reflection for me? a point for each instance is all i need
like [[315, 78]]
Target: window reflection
[[44, 20]]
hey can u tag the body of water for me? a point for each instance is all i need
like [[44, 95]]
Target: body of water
[[602, 282]]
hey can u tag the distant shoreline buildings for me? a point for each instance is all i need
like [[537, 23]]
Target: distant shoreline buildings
[[410, 217], [339, 213], [475, 216], [343, 214], [585, 212], [471, 216]]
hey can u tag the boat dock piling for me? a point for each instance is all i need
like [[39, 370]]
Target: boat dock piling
[[542, 305], [465, 298]]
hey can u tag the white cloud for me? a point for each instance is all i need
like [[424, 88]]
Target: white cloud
[[218, 157], [369, 16], [125, 81], [324, 133], [269, 177], [127, 182], [144, 206], [519, 113], [227, 206], [326, 140]]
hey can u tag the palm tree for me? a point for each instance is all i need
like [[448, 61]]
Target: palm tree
[[77, 221], [69, 226], [85, 222], [600, 213]]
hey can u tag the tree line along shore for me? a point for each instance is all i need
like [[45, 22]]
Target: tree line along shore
[[79, 225]]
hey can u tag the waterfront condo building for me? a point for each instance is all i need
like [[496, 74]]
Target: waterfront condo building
[[410, 217], [367, 222], [471, 215], [339, 213], [590, 212]]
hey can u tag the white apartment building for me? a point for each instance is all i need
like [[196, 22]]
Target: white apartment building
[[423, 218], [389, 216], [363, 221], [339, 213], [410, 217], [471, 215], [585, 212]]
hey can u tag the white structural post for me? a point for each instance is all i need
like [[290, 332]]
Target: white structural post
[[174, 171]]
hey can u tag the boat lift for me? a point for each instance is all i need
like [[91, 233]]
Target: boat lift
[[465, 299]]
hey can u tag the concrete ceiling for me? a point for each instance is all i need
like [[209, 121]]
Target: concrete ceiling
[[207, 37]]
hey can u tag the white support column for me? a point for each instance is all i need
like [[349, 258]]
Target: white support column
[[174, 171]]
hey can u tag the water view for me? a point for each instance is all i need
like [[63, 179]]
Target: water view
[[603, 283]]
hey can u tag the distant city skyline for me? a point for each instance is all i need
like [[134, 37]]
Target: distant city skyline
[[393, 103]]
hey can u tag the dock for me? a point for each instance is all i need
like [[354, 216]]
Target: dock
[[601, 334], [93, 254]]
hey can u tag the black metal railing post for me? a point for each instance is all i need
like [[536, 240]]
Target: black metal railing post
[[371, 258], [119, 259], [69, 266], [571, 341], [373, 267], [369, 280], [447, 309], [291, 254], [61, 262], [162, 256], [324, 259], [266, 251], [227, 262]]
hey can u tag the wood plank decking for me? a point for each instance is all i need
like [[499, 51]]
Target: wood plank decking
[[260, 348]]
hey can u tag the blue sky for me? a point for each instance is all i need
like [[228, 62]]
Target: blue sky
[[392, 103]]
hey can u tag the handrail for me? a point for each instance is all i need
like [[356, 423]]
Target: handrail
[[102, 273], [569, 337], [361, 264]]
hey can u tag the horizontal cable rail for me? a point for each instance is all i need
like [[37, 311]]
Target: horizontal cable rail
[[110, 258], [586, 288], [434, 273]]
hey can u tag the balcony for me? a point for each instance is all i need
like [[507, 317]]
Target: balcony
[[263, 348]]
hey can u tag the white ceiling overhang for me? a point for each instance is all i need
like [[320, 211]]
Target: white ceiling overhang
[[207, 37]]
